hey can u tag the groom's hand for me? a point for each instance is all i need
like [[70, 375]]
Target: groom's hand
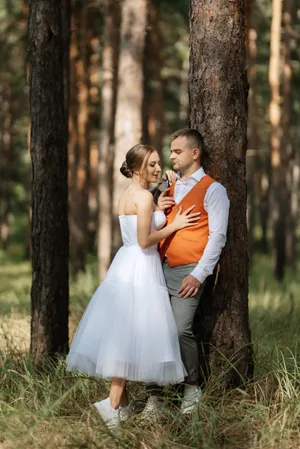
[[189, 287], [165, 201]]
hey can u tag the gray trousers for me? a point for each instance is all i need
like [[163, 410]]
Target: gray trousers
[[184, 312]]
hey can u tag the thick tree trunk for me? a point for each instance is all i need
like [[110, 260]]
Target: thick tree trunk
[[108, 103], [80, 142], [128, 127], [50, 237], [218, 91], [153, 110], [278, 183]]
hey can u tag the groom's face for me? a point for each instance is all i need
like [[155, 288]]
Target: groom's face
[[182, 155]]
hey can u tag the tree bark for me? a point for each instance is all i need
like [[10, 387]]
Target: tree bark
[[218, 91], [106, 150], [278, 185], [66, 13], [128, 127], [50, 236]]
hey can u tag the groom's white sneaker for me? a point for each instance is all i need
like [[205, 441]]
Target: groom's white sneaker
[[191, 397], [111, 416], [153, 404]]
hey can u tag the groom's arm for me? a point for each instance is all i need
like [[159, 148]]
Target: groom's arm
[[216, 204]]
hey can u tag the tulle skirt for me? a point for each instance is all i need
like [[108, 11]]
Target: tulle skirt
[[128, 329]]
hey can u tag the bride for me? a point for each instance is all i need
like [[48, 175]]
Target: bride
[[128, 330]]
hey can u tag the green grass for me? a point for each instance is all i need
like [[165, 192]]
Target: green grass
[[53, 409]]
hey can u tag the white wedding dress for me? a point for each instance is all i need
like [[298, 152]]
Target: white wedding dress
[[128, 329]]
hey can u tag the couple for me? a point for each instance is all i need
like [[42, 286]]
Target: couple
[[138, 324]]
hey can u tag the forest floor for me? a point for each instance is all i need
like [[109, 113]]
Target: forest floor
[[53, 409]]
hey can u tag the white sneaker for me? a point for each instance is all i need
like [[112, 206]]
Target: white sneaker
[[192, 395], [153, 404], [112, 416]]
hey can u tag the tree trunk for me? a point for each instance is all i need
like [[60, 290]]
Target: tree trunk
[[66, 13], [108, 103], [153, 110], [128, 127], [50, 236], [278, 185], [218, 91], [6, 162], [294, 202], [80, 145], [286, 144], [252, 155]]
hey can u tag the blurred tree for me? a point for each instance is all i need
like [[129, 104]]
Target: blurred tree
[[290, 155], [12, 31], [6, 159], [153, 107], [253, 137], [278, 175], [50, 237], [218, 89], [128, 127], [108, 109], [79, 149]]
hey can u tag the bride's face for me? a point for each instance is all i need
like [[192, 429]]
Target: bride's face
[[153, 169]]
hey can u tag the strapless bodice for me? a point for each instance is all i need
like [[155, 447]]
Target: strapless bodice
[[128, 224]]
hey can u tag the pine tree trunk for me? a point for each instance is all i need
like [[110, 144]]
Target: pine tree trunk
[[153, 109], [286, 144], [108, 103], [80, 140], [278, 192], [66, 13], [50, 237], [6, 162], [252, 155], [218, 91], [128, 126]]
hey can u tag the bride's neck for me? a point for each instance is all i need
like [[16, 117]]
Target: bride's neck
[[143, 184]]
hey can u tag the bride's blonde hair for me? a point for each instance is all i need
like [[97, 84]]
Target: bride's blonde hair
[[136, 159]]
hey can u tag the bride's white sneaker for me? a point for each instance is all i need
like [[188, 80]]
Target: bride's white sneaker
[[111, 416], [191, 397]]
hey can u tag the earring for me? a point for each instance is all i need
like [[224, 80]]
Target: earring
[[139, 178]]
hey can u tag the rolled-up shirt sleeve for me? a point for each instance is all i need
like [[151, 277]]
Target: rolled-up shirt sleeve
[[216, 204]]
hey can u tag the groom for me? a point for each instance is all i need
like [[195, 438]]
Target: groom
[[190, 255]]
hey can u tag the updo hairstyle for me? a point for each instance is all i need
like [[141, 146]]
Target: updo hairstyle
[[136, 159]]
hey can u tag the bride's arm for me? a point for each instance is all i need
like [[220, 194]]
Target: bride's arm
[[146, 238]]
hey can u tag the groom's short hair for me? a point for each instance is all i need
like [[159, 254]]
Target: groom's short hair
[[194, 140]]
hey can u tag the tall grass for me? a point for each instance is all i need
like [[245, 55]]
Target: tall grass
[[53, 409]]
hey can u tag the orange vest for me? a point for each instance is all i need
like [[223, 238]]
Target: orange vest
[[187, 245]]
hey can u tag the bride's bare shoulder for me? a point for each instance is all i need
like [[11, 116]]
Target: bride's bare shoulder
[[144, 197]]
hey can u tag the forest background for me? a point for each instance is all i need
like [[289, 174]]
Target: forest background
[[52, 409]]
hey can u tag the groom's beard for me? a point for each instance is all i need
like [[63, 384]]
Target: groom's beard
[[160, 187]]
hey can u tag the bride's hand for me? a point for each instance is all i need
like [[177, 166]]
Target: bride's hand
[[171, 175], [186, 219]]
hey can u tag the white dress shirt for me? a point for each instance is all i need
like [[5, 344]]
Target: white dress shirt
[[216, 204]]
